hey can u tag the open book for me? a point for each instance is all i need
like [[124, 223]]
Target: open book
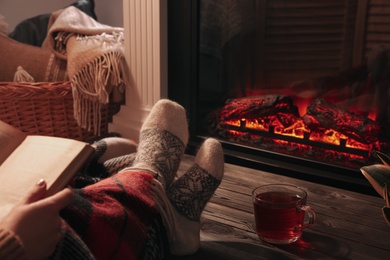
[[25, 159]]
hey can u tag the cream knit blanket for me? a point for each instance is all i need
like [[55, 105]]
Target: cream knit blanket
[[95, 61]]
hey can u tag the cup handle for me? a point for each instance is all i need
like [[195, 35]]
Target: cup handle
[[311, 214]]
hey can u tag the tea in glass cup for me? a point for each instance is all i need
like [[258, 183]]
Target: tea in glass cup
[[279, 211]]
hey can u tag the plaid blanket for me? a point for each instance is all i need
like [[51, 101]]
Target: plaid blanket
[[116, 218], [95, 62]]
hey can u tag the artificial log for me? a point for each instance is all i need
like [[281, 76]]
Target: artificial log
[[257, 107], [265, 109], [322, 114]]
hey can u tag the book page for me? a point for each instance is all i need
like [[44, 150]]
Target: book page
[[10, 138], [40, 157]]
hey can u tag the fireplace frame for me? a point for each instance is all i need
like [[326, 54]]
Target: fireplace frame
[[183, 81]]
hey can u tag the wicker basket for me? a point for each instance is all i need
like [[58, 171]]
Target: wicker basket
[[46, 108]]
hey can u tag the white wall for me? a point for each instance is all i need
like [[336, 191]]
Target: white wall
[[14, 11], [146, 51]]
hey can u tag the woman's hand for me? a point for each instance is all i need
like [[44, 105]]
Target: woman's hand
[[36, 221]]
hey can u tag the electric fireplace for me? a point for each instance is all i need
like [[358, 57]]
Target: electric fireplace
[[293, 87]]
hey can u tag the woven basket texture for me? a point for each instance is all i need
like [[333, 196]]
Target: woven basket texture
[[46, 108]]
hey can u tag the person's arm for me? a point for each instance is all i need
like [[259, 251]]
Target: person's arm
[[35, 222]]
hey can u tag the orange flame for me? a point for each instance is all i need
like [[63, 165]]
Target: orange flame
[[298, 130]]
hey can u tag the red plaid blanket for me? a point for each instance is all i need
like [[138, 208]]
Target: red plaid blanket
[[117, 218]]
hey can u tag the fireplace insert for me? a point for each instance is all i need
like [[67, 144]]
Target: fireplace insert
[[297, 88]]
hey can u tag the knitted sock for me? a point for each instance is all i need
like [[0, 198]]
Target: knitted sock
[[162, 142], [190, 193], [106, 149], [119, 163], [111, 147]]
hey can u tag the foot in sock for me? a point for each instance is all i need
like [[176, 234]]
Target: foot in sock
[[106, 149], [112, 147], [162, 142], [111, 155], [119, 163], [190, 193]]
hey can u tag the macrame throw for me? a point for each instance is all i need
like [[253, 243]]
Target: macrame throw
[[95, 61]]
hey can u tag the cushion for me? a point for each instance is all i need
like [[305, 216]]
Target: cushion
[[33, 30], [40, 63]]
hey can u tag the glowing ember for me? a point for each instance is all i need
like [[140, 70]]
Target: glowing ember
[[275, 117]]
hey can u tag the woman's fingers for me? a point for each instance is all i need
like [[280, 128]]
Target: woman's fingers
[[37, 192]]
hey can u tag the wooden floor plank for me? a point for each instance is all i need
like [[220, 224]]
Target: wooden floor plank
[[349, 224]]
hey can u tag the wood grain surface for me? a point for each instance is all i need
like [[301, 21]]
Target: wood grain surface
[[349, 225]]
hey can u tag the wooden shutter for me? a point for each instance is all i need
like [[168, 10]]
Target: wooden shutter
[[377, 25], [303, 39]]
